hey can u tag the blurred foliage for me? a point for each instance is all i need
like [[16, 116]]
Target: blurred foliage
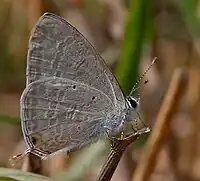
[[135, 33], [5, 62], [7, 179], [79, 170], [13, 174], [10, 120], [190, 15]]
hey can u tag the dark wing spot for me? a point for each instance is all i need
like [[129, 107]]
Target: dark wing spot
[[33, 139], [36, 138]]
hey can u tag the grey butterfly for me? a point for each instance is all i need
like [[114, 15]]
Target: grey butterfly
[[71, 97]]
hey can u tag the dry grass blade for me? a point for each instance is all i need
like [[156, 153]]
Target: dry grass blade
[[32, 163], [35, 11], [159, 133], [117, 149]]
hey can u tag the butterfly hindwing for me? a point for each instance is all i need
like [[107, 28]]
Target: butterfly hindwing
[[63, 113]]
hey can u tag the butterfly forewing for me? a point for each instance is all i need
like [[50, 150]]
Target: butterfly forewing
[[70, 90], [58, 49]]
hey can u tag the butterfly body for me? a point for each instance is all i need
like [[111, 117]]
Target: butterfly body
[[71, 97]]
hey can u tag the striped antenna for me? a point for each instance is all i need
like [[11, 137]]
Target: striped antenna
[[135, 87]]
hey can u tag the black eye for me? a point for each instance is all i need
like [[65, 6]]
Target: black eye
[[133, 103]]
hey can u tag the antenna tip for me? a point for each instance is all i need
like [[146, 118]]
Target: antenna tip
[[154, 60]]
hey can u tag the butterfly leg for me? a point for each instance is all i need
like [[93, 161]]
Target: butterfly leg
[[140, 131], [122, 135], [110, 138], [134, 127], [113, 139], [137, 127]]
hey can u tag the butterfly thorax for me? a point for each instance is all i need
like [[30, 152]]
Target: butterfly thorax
[[115, 120]]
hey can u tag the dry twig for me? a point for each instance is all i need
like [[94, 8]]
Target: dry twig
[[159, 133]]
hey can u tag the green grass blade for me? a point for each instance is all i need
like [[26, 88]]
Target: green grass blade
[[189, 12], [21, 176], [134, 37], [10, 120], [7, 179]]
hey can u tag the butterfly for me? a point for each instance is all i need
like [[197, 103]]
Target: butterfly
[[71, 97]]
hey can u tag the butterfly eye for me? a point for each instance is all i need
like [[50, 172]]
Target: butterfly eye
[[133, 103]]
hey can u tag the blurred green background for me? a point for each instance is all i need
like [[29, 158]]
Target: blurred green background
[[128, 34]]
